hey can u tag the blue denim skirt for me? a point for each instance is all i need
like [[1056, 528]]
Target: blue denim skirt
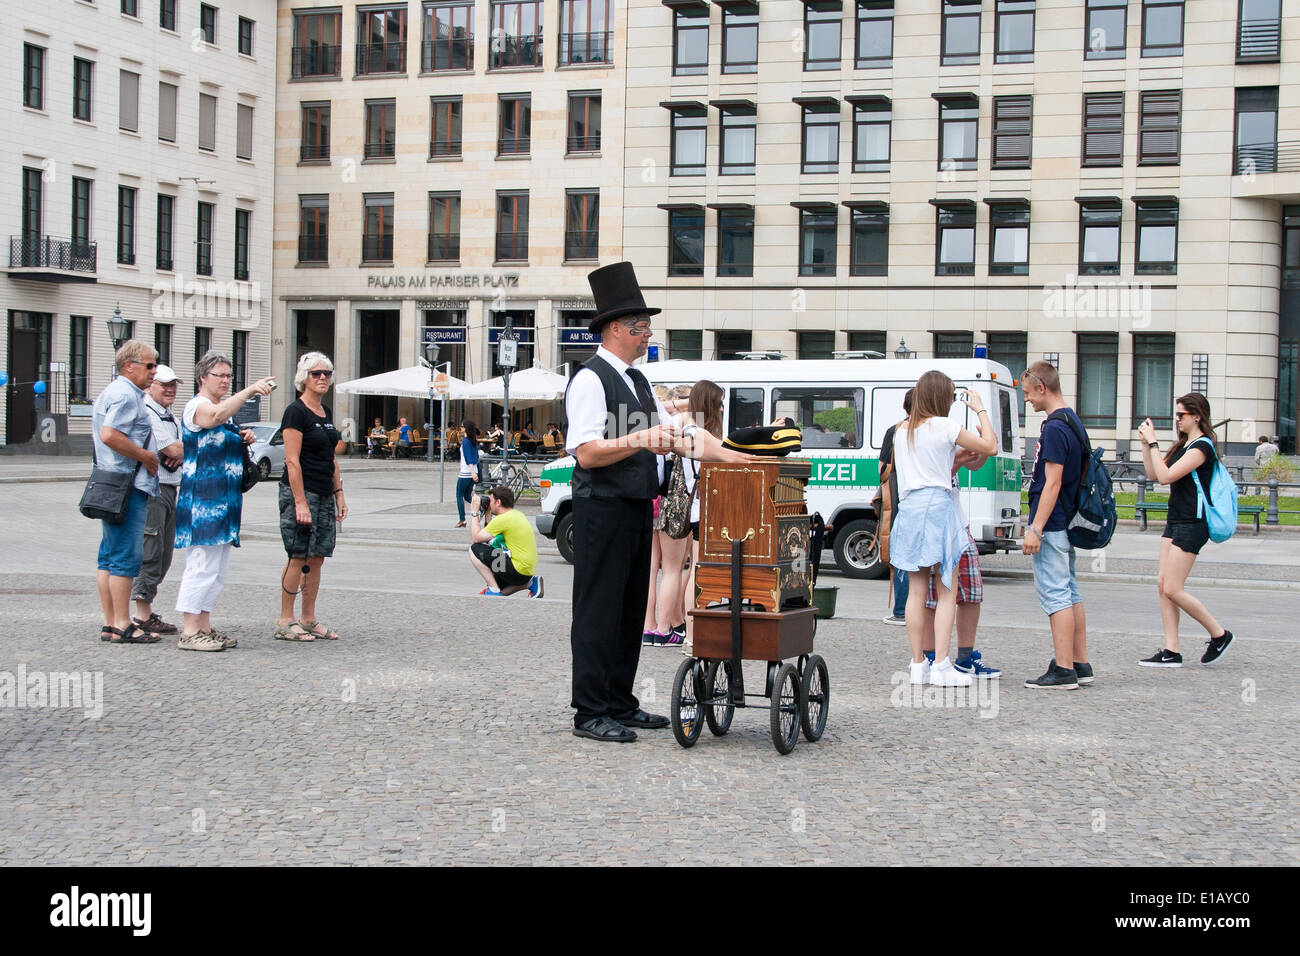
[[928, 531]]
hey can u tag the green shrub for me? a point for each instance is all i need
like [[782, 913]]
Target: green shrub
[[1276, 467], [837, 419]]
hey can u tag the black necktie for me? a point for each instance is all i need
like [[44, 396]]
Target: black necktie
[[644, 395]]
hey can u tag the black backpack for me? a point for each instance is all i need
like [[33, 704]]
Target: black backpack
[[1092, 514]]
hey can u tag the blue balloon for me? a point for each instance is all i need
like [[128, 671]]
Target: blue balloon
[[4, 379], [39, 388]]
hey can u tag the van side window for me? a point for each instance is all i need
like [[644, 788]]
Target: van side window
[[746, 408], [1008, 417], [829, 417]]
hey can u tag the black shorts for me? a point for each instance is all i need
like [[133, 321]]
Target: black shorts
[[1189, 536], [695, 530], [499, 563]]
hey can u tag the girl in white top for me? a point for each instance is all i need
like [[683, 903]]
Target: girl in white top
[[929, 532]]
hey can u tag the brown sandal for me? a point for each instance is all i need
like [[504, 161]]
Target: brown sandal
[[287, 632], [310, 627]]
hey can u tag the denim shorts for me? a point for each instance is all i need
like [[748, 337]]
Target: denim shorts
[[1054, 573], [121, 548]]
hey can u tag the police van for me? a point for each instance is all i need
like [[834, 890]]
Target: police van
[[844, 407]]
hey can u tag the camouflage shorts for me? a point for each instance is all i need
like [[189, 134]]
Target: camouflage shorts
[[301, 541]]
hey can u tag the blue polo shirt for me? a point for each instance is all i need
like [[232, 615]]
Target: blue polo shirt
[[121, 406]]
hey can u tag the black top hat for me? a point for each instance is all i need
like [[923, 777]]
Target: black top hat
[[617, 293]]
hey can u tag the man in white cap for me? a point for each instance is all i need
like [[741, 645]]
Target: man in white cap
[[160, 518]]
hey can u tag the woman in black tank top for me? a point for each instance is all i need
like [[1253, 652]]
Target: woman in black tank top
[[1185, 532]]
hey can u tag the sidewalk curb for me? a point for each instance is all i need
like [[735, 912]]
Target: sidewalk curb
[[1091, 577]]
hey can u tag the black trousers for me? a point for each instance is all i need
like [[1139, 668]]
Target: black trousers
[[611, 574]]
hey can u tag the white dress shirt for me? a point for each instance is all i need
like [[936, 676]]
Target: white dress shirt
[[585, 404]]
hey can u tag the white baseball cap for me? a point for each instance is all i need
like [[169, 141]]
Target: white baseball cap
[[164, 375]]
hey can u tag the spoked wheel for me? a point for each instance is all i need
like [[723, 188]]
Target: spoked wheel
[[686, 704], [718, 708], [816, 702], [786, 707]]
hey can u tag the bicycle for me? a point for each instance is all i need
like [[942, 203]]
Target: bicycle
[[516, 477]]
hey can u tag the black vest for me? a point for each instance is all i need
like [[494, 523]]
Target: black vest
[[636, 476]]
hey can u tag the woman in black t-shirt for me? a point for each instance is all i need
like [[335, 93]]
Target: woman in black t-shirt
[[1185, 533], [311, 498]]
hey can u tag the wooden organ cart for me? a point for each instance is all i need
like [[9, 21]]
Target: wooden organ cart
[[753, 601]]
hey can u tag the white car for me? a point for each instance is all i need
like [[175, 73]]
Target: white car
[[268, 449]]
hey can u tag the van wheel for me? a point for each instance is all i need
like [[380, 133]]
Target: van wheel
[[564, 536], [856, 550]]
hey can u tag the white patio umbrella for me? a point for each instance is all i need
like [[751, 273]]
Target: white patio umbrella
[[410, 382], [531, 387]]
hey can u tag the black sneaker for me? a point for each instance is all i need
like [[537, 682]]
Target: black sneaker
[[1056, 678], [680, 631], [1163, 658], [1082, 669], [1215, 647]]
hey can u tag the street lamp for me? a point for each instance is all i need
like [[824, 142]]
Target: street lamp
[[431, 363], [118, 328], [903, 352]]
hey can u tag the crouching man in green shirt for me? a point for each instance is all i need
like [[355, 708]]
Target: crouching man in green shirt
[[504, 552]]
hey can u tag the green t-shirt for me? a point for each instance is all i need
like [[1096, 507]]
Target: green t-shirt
[[519, 540]]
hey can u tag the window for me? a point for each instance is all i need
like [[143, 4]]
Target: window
[[163, 233], [514, 124], [954, 251], [448, 37], [875, 35], [316, 44], [686, 344], [1259, 31], [516, 34], [585, 32], [512, 227], [691, 41], [207, 122], [242, 219], [208, 23], [816, 345], [203, 240], [737, 123], [126, 225], [381, 128], [958, 130], [377, 237], [817, 240], [689, 127], [82, 71], [78, 358], [444, 227], [33, 76], [821, 27], [167, 14], [444, 128], [1153, 379], [1103, 129], [740, 39], [581, 224], [1098, 371], [131, 8], [1158, 127], [869, 340], [736, 240], [81, 216], [954, 345], [381, 40], [1012, 350], [1013, 129], [315, 142], [202, 342], [33, 196], [245, 36], [869, 242], [1256, 130], [686, 241], [728, 346], [128, 104], [1009, 238], [961, 32], [1014, 30], [1099, 223], [162, 342], [243, 131], [238, 361], [821, 136], [1157, 236], [1162, 27], [871, 124], [584, 122], [167, 112], [829, 417], [1107, 25], [313, 228]]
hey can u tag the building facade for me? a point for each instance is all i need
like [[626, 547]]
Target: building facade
[[140, 173]]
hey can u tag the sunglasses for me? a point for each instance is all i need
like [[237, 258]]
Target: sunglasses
[[320, 373], [149, 365]]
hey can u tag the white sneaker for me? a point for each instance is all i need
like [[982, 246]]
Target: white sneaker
[[895, 620], [943, 674], [202, 641], [920, 673]]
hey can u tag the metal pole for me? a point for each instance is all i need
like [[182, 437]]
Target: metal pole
[[442, 454], [505, 442], [1271, 517], [428, 438]]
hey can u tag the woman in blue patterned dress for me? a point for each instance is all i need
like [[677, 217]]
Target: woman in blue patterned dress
[[210, 502]]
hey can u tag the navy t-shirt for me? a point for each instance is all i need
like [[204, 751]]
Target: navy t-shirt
[[1057, 443]]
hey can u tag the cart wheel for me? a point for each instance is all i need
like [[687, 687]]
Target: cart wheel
[[686, 704], [717, 685], [816, 698], [786, 706]]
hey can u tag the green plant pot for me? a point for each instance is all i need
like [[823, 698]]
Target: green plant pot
[[823, 598]]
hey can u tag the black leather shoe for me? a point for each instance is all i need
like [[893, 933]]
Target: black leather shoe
[[644, 720], [606, 730]]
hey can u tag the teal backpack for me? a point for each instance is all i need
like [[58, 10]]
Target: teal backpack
[[1219, 507]]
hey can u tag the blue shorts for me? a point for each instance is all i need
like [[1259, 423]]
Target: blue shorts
[[121, 548], [1054, 573]]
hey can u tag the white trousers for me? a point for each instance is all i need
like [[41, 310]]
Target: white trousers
[[205, 576]]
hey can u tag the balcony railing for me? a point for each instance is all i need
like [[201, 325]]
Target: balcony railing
[[310, 152], [382, 150], [1268, 158], [581, 245], [512, 246], [313, 248], [447, 147], [450, 53], [381, 58], [508, 51], [513, 146], [377, 249], [578, 48], [584, 144], [316, 60], [444, 246], [1259, 40], [47, 252]]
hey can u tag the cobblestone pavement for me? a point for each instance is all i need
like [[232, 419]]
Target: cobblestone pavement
[[437, 731]]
